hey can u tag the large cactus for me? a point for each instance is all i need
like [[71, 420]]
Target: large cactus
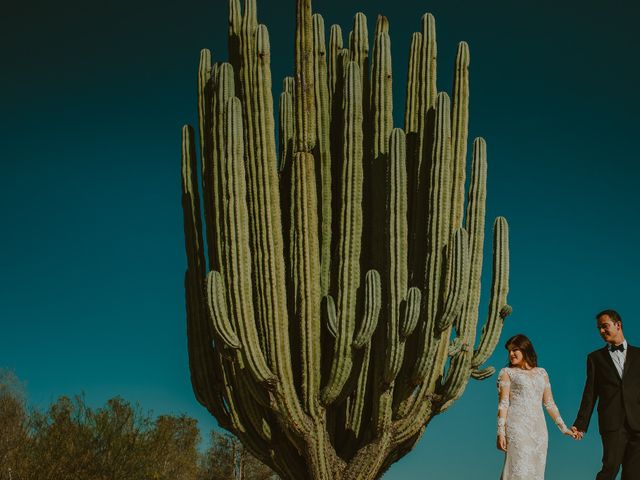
[[333, 310]]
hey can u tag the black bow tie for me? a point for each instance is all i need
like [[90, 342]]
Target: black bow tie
[[613, 348]]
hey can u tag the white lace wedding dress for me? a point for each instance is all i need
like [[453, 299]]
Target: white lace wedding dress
[[520, 417]]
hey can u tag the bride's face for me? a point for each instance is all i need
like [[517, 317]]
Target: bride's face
[[516, 358]]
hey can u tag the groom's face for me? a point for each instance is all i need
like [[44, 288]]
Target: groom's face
[[610, 331]]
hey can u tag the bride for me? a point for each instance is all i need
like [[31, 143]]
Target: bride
[[522, 432]]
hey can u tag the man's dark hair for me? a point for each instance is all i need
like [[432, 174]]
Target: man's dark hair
[[612, 314]]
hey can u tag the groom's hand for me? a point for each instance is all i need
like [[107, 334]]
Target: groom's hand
[[578, 434]]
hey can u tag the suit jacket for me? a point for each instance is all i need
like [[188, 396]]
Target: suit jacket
[[618, 398]]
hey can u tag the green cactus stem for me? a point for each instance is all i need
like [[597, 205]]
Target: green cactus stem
[[333, 310]]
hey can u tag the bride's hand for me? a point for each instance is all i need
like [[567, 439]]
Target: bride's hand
[[501, 443], [571, 434]]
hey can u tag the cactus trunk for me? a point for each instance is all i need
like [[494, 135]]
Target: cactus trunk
[[332, 311]]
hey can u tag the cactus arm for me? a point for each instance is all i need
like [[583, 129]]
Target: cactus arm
[[396, 253], [439, 205], [329, 312], [413, 85], [475, 224], [245, 80], [235, 17], [249, 19], [396, 243], [199, 334], [264, 198], [203, 385], [378, 125], [206, 114], [234, 32], [381, 89], [229, 379], [429, 90], [285, 129], [371, 309], [218, 311], [411, 128], [238, 386], [437, 236], [460, 368], [306, 267], [456, 385], [483, 374], [498, 308], [431, 352], [204, 357], [456, 380], [357, 402], [335, 47], [359, 47], [237, 267], [349, 243], [224, 88], [251, 413], [322, 101], [411, 313], [363, 342], [422, 152], [459, 129], [191, 204], [205, 375], [289, 85], [305, 107], [458, 267], [455, 346], [245, 30], [259, 394], [264, 192], [286, 139]]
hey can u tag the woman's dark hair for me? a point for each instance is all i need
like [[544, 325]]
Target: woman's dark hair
[[522, 343]]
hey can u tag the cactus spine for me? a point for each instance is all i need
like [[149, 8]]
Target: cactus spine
[[333, 310]]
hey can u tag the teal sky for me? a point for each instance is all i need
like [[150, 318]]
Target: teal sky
[[92, 98]]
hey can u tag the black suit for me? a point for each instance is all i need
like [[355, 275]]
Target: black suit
[[618, 411]]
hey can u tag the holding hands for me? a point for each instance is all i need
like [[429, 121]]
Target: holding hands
[[573, 434], [577, 434]]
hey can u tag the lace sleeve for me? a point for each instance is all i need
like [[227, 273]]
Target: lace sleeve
[[504, 385], [549, 404]]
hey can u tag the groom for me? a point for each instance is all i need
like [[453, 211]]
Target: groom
[[613, 379]]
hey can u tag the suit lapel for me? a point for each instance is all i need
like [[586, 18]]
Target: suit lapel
[[609, 361], [632, 355]]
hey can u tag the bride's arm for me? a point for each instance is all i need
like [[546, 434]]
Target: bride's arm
[[550, 405], [504, 385]]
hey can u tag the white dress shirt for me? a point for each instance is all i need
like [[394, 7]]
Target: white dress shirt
[[618, 358]]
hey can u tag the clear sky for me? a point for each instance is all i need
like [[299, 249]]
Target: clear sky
[[92, 98]]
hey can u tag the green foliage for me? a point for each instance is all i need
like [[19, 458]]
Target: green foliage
[[13, 424], [118, 441], [228, 459]]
